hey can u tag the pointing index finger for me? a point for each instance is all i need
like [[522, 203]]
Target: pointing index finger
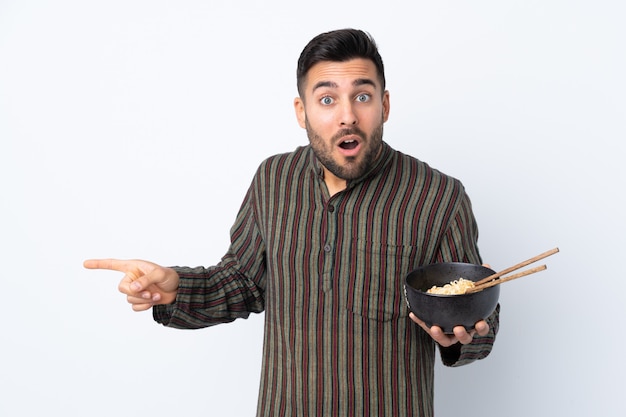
[[110, 264]]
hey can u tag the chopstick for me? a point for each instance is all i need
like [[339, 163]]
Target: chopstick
[[495, 279], [494, 282], [517, 266]]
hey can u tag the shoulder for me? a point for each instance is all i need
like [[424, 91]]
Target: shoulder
[[424, 174], [284, 166], [298, 156]]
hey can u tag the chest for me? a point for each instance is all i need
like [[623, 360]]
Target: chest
[[351, 251]]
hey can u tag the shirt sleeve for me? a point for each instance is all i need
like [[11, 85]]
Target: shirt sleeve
[[460, 244], [232, 289]]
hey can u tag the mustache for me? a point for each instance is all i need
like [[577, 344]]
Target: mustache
[[349, 131]]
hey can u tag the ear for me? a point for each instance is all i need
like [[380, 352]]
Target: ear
[[298, 106], [386, 106]]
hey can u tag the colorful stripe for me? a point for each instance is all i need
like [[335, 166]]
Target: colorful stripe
[[329, 272]]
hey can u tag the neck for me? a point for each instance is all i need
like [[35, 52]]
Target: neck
[[333, 183]]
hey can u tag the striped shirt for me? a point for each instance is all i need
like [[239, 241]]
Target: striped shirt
[[329, 274]]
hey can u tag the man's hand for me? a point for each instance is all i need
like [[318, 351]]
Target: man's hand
[[460, 334], [145, 283]]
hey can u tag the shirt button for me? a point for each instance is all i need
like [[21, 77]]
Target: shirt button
[[327, 248], [331, 208]]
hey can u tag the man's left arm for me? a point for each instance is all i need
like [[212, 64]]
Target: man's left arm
[[460, 244]]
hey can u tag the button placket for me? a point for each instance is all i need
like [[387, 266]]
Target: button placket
[[330, 239]]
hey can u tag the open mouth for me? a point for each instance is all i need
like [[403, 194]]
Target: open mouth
[[349, 144]]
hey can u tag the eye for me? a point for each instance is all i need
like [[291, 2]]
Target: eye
[[363, 98], [326, 101]]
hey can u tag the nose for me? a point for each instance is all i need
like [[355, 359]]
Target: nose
[[348, 115]]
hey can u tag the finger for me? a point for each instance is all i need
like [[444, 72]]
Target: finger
[[148, 280], [462, 335], [144, 297], [437, 333], [142, 302], [142, 307], [110, 264], [442, 338], [420, 322], [127, 285], [415, 318], [482, 328]]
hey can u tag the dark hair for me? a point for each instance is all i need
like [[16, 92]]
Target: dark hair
[[339, 46]]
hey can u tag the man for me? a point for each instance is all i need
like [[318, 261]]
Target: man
[[322, 243]]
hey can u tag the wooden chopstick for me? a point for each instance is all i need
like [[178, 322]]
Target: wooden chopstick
[[494, 282], [517, 266]]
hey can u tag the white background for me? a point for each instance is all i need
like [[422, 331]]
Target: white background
[[131, 129]]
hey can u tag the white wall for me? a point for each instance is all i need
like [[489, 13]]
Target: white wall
[[132, 128]]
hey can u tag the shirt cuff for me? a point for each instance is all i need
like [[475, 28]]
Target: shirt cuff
[[163, 313]]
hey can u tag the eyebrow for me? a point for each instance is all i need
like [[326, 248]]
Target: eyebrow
[[355, 83]]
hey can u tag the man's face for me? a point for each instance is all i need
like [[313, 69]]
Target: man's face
[[343, 109]]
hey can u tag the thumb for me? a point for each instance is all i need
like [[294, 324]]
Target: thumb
[[148, 277]]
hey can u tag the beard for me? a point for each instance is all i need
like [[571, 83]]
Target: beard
[[353, 167]]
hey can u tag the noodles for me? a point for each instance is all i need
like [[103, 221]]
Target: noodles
[[456, 287]]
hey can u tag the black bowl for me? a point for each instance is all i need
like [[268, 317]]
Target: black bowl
[[448, 311]]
